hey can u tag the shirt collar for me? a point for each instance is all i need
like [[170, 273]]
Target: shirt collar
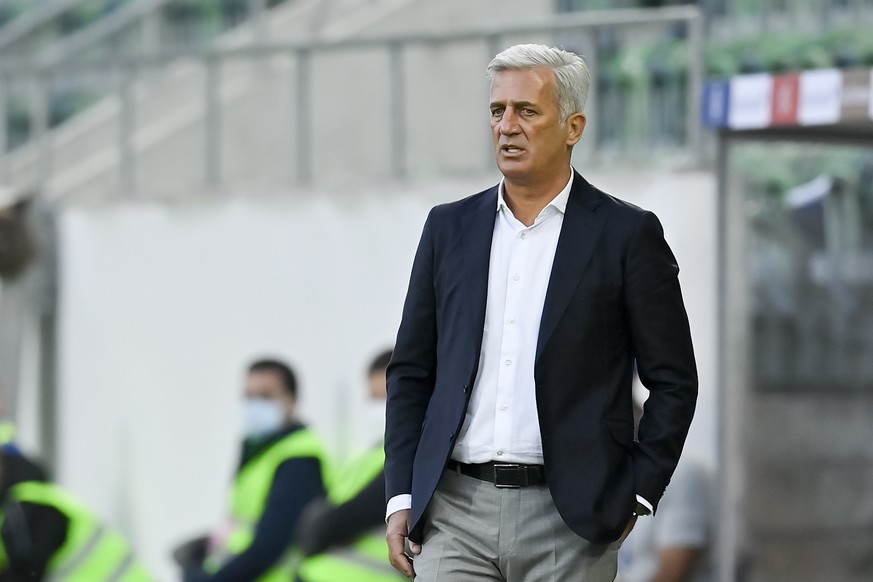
[[559, 202]]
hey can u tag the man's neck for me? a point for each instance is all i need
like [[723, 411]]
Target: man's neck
[[527, 200]]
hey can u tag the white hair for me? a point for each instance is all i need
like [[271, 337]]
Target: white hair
[[572, 78]]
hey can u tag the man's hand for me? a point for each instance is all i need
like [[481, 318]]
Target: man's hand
[[396, 534]]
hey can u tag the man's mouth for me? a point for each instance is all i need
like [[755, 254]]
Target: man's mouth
[[511, 149]]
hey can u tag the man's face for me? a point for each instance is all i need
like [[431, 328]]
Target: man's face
[[531, 140], [268, 385]]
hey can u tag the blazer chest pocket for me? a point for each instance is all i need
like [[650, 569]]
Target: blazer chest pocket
[[604, 309]]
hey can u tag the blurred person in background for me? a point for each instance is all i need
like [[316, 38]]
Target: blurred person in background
[[17, 246], [47, 534], [281, 471], [8, 431], [510, 453], [344, 537], [672, 546], [17, 250]]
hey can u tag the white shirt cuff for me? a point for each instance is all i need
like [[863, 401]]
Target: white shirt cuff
[[398, 503], [640, 498]]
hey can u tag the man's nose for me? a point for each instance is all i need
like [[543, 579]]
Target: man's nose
[[509, 123]]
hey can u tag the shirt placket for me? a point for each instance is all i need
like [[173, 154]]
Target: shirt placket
[[510, 344]]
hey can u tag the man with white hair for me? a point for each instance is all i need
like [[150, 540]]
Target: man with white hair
[[510, 453]]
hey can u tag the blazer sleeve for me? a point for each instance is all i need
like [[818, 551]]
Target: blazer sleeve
[[412, 371], [664, 355]]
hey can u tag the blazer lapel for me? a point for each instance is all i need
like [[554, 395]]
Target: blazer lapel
[[476, 234], [579, 233]]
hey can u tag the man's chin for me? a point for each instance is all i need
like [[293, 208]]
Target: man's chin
[[512, 169]]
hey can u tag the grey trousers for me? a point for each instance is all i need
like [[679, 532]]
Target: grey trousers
[[475, 531]]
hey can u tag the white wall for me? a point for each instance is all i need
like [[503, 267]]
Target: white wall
[[161, 308], [162, 305]]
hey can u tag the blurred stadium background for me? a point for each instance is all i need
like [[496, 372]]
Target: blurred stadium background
[[212, 180]]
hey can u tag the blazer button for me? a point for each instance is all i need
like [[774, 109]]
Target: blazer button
[[465, 389], [451, 436]]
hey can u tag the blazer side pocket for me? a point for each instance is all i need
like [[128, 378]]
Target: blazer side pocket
[[621, 430]]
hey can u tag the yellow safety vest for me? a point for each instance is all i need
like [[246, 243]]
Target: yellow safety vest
[[366, 559], [91, 552], [249, 497], [7, 432]]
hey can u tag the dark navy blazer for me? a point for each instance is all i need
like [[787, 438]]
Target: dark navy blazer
[[613, 298]]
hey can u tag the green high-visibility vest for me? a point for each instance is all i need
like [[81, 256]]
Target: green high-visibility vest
[[7, 432], [249, 497], [366, 559], [91, 552]]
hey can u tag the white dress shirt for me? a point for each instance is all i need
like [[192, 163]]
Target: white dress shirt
[[501, 422]]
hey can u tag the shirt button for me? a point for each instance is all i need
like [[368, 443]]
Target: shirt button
[[523, 235], [516, 277], [504, 407], [511, 320], [508, 362], [499, 453]]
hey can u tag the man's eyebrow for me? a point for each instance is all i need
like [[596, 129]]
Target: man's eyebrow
[[513, 103]]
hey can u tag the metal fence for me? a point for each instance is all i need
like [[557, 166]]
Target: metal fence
[[105, 26], [736, 19], [631, 114]]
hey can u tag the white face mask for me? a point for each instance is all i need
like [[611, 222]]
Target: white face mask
[[262, 417], [372, 419]]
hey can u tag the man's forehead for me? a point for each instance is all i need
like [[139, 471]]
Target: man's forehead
[[534, 75], [261, 376], [521, 84]]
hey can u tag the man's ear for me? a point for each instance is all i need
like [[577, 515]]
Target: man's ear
[[575, 128]]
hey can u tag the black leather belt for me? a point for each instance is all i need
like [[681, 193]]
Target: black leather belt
[[503, 475]]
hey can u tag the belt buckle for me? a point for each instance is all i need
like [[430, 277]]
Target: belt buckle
[[505, 467]]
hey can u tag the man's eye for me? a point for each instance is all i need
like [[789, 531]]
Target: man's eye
[[527, 111], [496, 112]]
